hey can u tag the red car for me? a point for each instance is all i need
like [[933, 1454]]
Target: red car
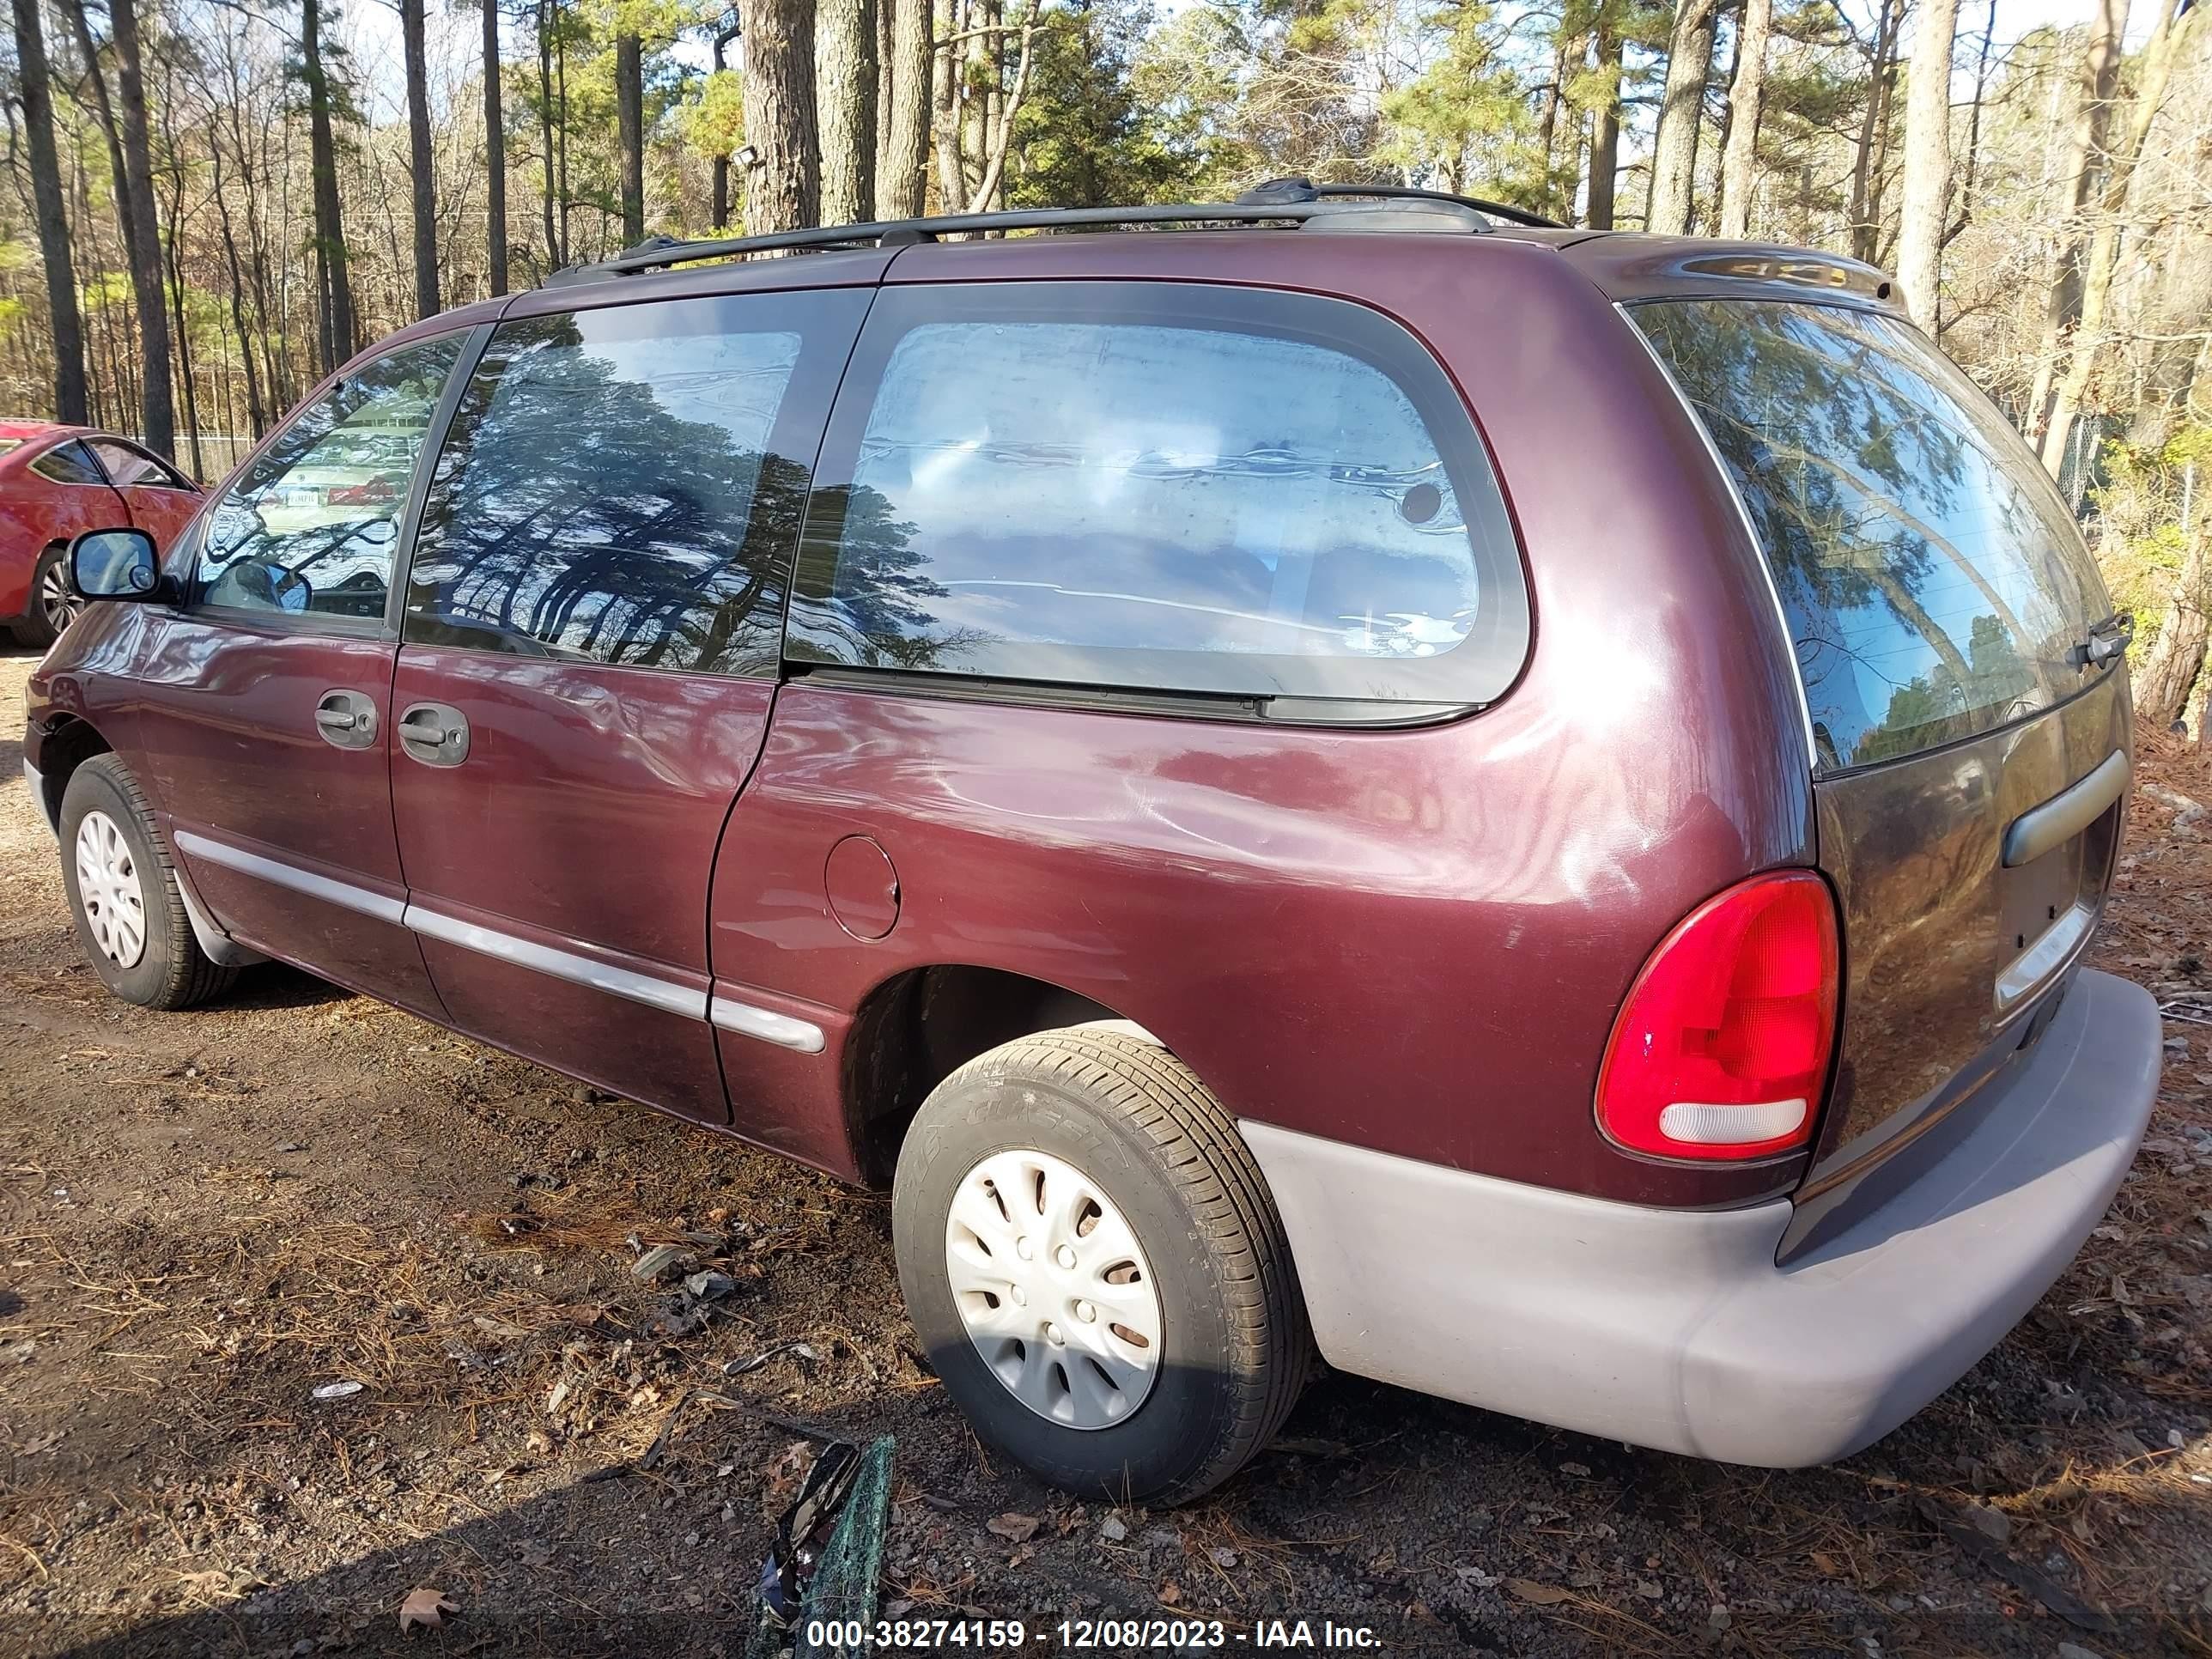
[[1517, 806], [57, 481]]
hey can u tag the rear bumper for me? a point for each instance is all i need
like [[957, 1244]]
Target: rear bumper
[[1676, 1329]]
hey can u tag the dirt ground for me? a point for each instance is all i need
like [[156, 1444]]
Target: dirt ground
[[209, 1216]]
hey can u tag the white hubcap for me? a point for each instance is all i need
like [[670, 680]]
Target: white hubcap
[[1054, 1288], [108, 887]]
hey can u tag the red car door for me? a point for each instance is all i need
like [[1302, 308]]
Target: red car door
[[266, 693], [51, 492], [590, 650], [161, 500]]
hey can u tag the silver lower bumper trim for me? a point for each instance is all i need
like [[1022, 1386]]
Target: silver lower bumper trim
[[37, 788]]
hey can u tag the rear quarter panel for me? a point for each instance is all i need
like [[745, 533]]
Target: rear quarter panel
[[1414, 940]]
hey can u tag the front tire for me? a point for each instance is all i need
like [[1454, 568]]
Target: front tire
[[1150, 1338], [123, 896], [53, 606]]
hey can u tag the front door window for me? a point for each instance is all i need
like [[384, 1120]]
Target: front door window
[[311, 526]]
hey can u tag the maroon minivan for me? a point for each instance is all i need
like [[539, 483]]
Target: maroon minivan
[[1517, 806]]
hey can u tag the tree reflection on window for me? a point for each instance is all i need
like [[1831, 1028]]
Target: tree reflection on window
[[312, 524], [1933, 583], [610, 493]]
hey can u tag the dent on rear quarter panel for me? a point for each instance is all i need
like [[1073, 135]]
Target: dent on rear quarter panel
[[1414, 940]]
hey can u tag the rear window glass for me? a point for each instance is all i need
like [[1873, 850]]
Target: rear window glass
[[1934, 584], [127, 466], [69, 463], [1162, 488]]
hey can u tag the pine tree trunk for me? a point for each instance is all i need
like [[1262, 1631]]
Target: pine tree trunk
[[158, 420], [1674, 147], [254, 412], [886, 50], [721, 202], [418, 157], [553, 257], [2176, 656], [561, 128], [975, 72], [1605, 135], [630, 118], [1865, 210], [945, 128], [1566, 170], [187, 382], [845, 94], [785, 190], [1005, 103], [903, 181], [335, 287], [1927, 162], [1747, 95], [494, 155], [71, 405], [2085, 149], [2157, 56]]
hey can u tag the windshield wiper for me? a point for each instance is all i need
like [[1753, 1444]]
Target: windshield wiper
[[2105, 641]]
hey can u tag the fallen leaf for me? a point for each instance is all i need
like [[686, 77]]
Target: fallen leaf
[[427, 1607], [1014, 1528], [1826, 1563], [1170, 1594], [1544, 1596]]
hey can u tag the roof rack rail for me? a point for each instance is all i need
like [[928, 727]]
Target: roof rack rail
[[1296, 202], [1293, 190]]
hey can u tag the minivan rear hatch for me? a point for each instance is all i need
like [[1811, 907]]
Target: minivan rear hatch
[[1959, 658]]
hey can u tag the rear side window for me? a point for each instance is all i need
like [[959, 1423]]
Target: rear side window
[[71, 464], [1159, 487], [625, 485], [1933, 583], [128, 467]]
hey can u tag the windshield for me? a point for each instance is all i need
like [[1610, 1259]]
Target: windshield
[[1934, 584]]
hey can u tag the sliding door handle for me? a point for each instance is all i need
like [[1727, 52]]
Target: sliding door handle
[[345, 720], [434, 734]]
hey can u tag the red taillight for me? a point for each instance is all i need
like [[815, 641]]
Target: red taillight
[[1721, 1049]]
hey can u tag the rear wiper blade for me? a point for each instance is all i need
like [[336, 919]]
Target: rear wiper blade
[[2105, 641]]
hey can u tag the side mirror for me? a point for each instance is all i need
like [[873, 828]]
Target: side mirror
[[115, 564]]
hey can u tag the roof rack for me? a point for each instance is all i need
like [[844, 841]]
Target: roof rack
[[1305, 189], [1299, 201]]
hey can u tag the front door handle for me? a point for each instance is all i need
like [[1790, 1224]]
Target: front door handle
[[434, 734], [345, 720]]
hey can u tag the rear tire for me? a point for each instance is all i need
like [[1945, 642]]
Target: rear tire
[[52, 605], [1116, 1132], [122, 884]]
